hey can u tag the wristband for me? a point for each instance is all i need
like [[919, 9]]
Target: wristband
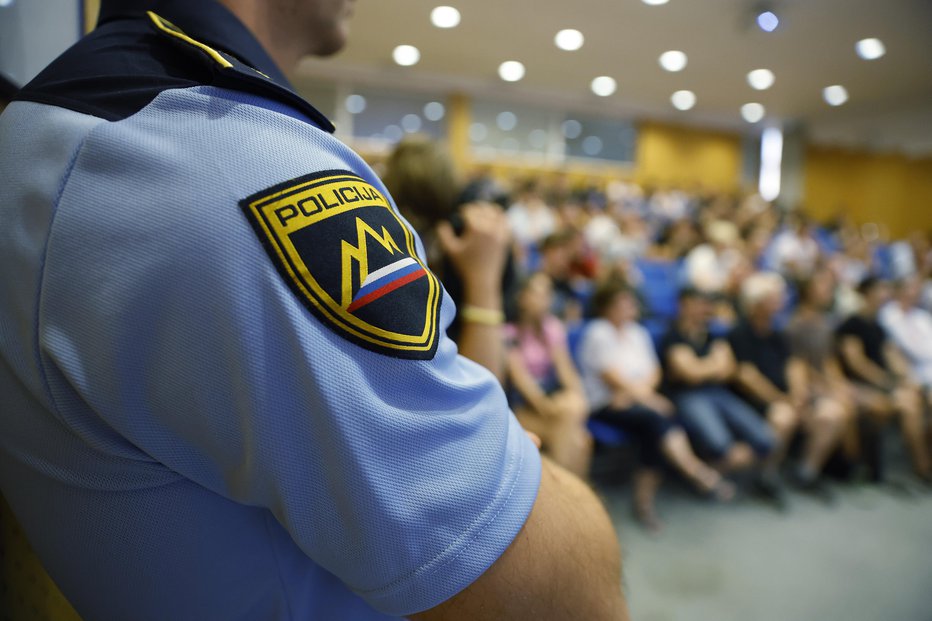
[[484, 316]]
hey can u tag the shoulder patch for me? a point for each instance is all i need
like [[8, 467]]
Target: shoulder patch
[[349, 258]]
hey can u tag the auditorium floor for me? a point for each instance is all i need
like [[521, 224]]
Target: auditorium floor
[[867, 558]]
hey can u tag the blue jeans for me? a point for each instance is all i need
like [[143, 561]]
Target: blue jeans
[[715, 418]]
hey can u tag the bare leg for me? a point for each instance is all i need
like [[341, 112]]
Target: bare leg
[[739, 457], [676, 448], [646, 484], [827, 424], [784, 420], [909, 405]]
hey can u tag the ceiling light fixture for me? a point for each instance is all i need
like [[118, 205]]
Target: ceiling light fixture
[[683, 100], [604, 86], [768, 21], [673, 60], [511, 71], [445, 17], [434, 111], [655, 2], [752, 112], [569, 40], [406, 55], [355, 104], [761, 79], [835, 95], [870, 49]]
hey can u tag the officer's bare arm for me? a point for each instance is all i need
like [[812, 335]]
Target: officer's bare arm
[[564, 564]]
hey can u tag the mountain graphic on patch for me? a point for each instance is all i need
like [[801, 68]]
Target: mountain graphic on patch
[[344, 251]]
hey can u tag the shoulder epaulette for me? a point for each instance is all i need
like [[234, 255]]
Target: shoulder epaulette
[[232, 73]]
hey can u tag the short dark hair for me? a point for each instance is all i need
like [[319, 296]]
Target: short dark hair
[[869, 283]]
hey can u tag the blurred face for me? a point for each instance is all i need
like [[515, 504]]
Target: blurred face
[[822, 290], [908, 292], [770, 305], [536, 297], [323, 24], [876, 297], [623, 309], [696, 310]]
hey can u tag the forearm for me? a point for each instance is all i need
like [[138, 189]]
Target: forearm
[[754, 383], [481, 335]]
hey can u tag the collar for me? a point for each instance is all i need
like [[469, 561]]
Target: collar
[[207, 21], [211, 23]]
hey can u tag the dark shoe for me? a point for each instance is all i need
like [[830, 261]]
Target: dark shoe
[[770, 488], [819, 489]]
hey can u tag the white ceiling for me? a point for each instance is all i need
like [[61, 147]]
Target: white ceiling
[[890, 104]]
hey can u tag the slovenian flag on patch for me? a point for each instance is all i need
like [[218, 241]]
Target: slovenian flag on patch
[[385, 280]]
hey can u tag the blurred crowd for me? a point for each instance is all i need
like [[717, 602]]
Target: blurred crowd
[[739, 345]]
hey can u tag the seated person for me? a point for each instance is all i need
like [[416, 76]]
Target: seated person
[[881, 373], [621, 374], [812, 340], [467, 245], [547, 394], [910, 328], [697, 369], [774, 383]]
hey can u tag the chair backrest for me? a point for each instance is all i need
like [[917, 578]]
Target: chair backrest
[[27, 593]]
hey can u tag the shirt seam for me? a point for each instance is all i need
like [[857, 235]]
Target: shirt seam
[[40, 363], [437, 563]]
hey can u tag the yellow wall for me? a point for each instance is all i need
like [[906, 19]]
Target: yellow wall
[[688, 158], [884, 188]]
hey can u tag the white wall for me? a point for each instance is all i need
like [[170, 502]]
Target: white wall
[[33, 33]]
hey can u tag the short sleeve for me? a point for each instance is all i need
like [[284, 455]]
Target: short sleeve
[[596, 350], [555, 333], [404, 478]]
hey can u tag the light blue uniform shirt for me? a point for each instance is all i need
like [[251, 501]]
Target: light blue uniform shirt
[[180, 436]]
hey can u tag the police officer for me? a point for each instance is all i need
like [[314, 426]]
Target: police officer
[[225, 389]]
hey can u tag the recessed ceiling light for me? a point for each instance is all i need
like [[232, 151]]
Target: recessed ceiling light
[[752, 112], [478, 132], [434, 111], [674, 60], [406, 55], [761, 79], [603, 86], [354, 103], [835, 95], [870, 49], [592, 145], [768, 21], [572, 128], [683, 100], [411, 123], [445, 17], [506, 121], [569, 40], [655, 2], [5, 3], [511, 71]]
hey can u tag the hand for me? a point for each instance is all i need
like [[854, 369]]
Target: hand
[[534, 438], [660, 404], [479, 253]]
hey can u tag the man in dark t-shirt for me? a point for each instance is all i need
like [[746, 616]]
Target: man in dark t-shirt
[[770, 378], [881, 375], [697, 367]]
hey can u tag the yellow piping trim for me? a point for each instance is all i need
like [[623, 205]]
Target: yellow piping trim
[[161, 25]]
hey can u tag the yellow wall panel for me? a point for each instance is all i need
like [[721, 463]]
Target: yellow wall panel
[[688, 158], [885, 188]]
